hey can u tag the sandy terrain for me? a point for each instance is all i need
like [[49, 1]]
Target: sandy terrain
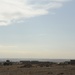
[[37, 70]]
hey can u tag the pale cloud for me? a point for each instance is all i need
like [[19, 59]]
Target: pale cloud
[[7, 46], [16, 10]]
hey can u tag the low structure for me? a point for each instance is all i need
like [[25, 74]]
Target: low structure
[[72, 62]]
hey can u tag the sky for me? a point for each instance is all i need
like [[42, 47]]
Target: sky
[[37, 29]]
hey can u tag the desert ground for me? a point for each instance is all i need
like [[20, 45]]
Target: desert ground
[[20, 69]]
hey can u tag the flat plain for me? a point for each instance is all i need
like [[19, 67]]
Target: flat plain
[[37, 70]]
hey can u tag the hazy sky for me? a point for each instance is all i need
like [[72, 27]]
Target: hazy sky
[[37, 29]]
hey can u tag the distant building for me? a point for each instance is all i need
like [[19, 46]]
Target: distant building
[[72, 62]]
